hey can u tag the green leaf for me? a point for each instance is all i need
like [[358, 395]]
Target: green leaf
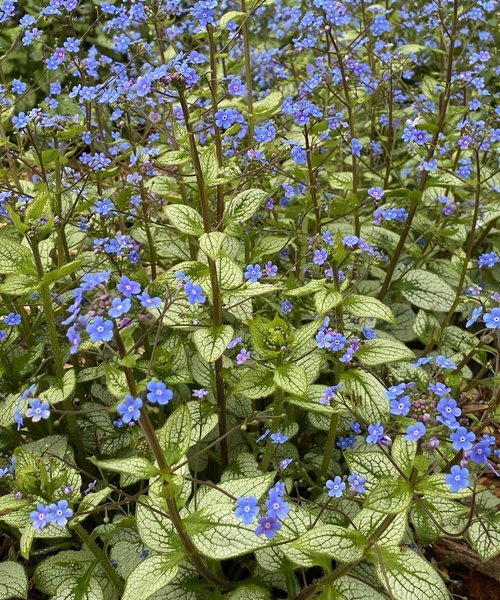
[[62, 389], [332, 541], [212, 243], [116, 381], [370, 462], [426, 290], [350, 588], [327, 299], [27, 537], [232, 15], [211, 343], [381, 352], [268, 105], [434, 486], [15, 258], [244, 205], [403, 452], [366, 395], [13, 581], [155, 527], [390, 495], [18, 285], [175, 435], [173, 157], [484, 534], [292, 379], [88, 503], [57, 274], [366, 306], [185, 219], [150, 576], [249, 592], [408, 576], [256, 383], [137, 466], [367, 521], [209, 165]]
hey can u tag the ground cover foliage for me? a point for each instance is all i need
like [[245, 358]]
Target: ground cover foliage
[[250, 319]]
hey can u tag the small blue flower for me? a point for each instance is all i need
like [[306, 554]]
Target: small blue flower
[[335, 488], [100, 330], [247, 509], [285, 463], [263, 436], [446, 363], [400, 406], [415, 432], [480, 452], [462, 439], [268, 526], [20, 121], [277, 507], [41, 517], [12, 319], [194, 293], [130, 409], [350, 240], [279, 438], [60, 513], [492, 319], [422, 361], [148, 302], [128, 287], [376, 433], [298, 154], [439, 389], [320, 257], [357, 482], [253, 273], [159, 393], [369, 333], [119, 307], [488, 259], [476, 313], [38, 410], [448, 407], [458, 479]]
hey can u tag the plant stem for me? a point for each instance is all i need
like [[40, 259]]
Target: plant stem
[[278, 409], [101, 556], [248, 73], [330, 445], [214, 281]]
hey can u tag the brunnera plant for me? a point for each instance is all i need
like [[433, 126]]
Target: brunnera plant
[[250, 319]]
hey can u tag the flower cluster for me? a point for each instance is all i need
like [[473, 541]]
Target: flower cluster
[[277, 509]]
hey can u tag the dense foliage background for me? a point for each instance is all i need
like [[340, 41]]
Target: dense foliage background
[[250, 313]]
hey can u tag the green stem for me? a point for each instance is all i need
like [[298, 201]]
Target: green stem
[[330, 445], [101, 556]]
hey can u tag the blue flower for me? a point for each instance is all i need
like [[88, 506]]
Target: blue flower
[[446, 363], [462, 439], [104, 207], [268, 526], [492, 319], [488, 259], [285, 463], [357, 482], [130, 409], [194, 293], [476, 313], [356, 147], [75, 338], [422, 361], [320, 257], [350, 240], [448, 407], [376, 192], [415, 432], [253, 273], [376, 433], [270, 269], [100, 330], [38, 410], [439, 389], [159, 393], [298, 155], [41, 517], [335, 488], [458, 479], [400, 406], [279, 438], [148, 302], [20, 121], [119, 307], [128, 287], [369, 333], [277, 507], [330, 393], [480, 452], [60, 513], [263, 436], [12, 319], [246, 509]]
